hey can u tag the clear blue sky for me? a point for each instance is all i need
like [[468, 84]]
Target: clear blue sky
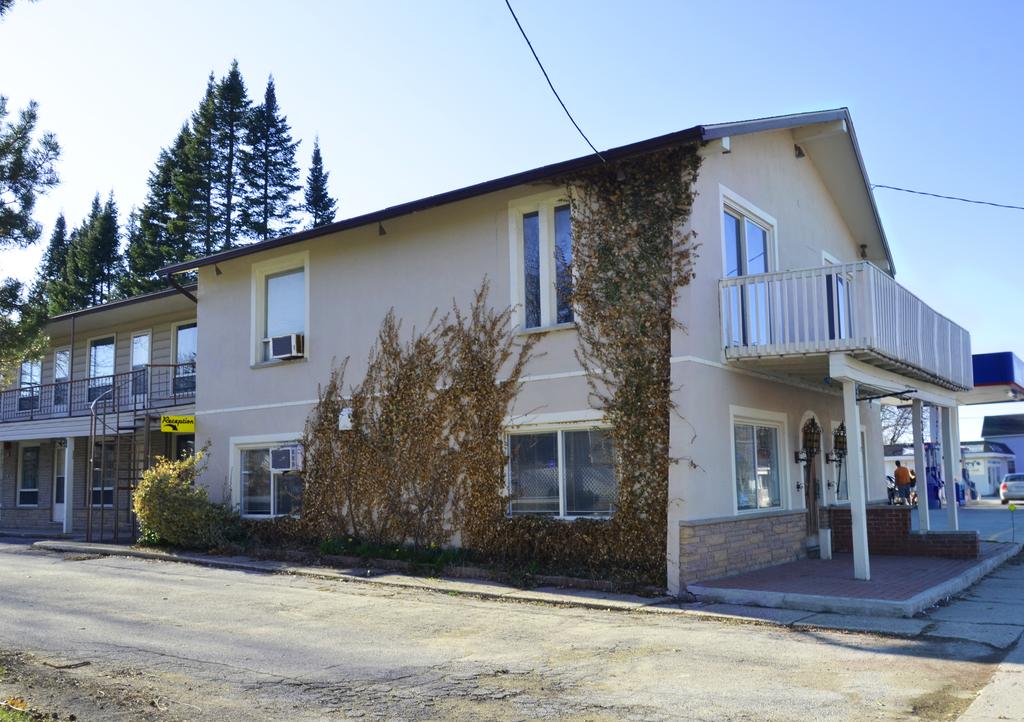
[[412, 98]]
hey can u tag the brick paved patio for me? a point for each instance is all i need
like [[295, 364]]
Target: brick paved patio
[[893, 578]]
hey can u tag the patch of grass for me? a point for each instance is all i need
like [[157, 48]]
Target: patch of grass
[[9, 714]]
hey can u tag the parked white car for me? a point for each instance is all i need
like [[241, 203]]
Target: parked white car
[[1012, 488]]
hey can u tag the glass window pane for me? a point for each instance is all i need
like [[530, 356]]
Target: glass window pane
[[757, 248], [256, 481], [101, 357], [531, 270], [286, 303], [31, 373], [288, 493], [140, 350], [534, 473], [746, 477], [30, 467], [61, 365], [767, 467], [731, 226], [187, 344], [590, 485], [563, 263]]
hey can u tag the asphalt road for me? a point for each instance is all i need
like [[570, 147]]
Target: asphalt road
[[992, 520], [170, 641]]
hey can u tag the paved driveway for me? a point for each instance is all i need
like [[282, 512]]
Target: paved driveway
[[987, 516], [170, 641]]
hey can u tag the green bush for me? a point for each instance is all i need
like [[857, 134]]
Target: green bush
[[172, 510]]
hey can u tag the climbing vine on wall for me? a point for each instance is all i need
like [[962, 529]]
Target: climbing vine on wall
[[631, 256]]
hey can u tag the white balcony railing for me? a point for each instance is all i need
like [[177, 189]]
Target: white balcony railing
[[851, 307]]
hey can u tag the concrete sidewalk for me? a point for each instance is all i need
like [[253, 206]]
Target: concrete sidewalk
[[959, 620]]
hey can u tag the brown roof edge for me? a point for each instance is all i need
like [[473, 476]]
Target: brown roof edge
[[142, 298], [696, 134]]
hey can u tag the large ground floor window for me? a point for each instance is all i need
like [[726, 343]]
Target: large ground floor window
[[28, 476], [758, 465], [269, 486], [562, 472]]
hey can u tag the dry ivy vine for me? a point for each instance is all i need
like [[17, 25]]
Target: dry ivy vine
[[425, 462]]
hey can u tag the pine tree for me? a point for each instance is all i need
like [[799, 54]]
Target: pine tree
[[93, 261], [156, 235], [319, 204], [195, 177], [51, 268], [231, 117], [268, 170], [26, 171]]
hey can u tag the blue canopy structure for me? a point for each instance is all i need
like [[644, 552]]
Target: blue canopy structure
[[998, 378]]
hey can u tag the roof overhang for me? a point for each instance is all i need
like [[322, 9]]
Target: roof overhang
[[998, 378], [117, 313], [827, 136]]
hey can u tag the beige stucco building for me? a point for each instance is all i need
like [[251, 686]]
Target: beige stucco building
[[793, 315]]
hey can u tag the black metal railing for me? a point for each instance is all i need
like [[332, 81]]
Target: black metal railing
[[147, 387]]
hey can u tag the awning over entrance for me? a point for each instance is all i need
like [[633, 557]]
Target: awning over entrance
[[998, 378]]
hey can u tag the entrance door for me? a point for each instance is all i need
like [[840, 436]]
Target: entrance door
[[58, 483]]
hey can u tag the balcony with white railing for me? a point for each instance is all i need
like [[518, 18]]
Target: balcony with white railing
[[855, 308], [154, 386]]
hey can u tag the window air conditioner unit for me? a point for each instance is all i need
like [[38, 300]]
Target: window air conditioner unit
[[286, 347], [286, 458]]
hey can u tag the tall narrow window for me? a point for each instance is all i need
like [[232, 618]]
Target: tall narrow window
[[61, 375], [140, 364], [101, 367], [531, 270], [28, 476], [285, 311], [757, 466], [29, 378], [563, 265], [186, 347], [542, 246], [746, 253]]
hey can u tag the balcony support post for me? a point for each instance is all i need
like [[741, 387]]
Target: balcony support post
[[857, 487], [923, 520], [951, 462], [69, 484]]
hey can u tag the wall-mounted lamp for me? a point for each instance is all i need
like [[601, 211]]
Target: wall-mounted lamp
[[810, 442], [838, 446]]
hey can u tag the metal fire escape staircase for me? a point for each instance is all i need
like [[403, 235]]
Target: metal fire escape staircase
[[120, 434]]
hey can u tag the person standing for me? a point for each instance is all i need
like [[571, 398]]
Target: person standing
[[903, 477]]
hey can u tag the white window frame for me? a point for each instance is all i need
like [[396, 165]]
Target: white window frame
[[257, 330], [173, 372], [558, 427], [148, 333], [238, 444], [729, 200], [61, 380], [88, 352], [32, 390], [773, 419], [38, 490], [543, 204]]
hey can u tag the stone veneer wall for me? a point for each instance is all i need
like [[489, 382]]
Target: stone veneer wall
[[712, 548], [889, 532]]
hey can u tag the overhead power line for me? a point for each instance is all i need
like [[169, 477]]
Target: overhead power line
[[948, 198], [550, 84]]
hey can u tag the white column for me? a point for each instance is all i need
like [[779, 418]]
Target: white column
[[950, 470], [858, 490], [69, 483], [923, 520]]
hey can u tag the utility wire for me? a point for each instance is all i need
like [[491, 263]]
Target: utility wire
[[550, 84], [949, 198]]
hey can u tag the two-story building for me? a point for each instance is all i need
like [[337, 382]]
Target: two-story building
[[78, 425], [795, 330]]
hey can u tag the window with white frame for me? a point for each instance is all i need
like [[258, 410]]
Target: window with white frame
[[542, 261], [267, 488], [757, 464], [61, 375], [29, 377], [747, 250], [28, 476], [562, 472], [103, 475], [280, 296]]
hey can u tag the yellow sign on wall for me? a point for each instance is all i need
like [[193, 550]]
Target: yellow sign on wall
[[185, 424]]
